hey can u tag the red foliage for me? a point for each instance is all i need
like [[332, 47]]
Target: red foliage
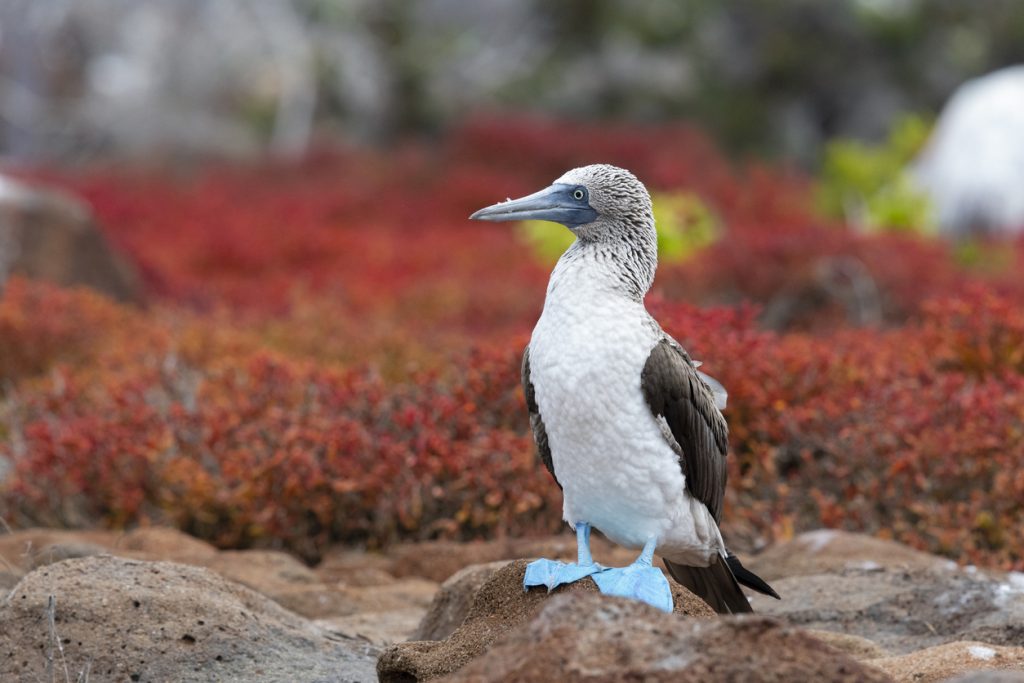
[[334, 357]]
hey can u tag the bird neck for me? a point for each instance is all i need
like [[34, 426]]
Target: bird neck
[[623, 266]]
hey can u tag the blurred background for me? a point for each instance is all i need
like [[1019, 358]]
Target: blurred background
[[241, 294]]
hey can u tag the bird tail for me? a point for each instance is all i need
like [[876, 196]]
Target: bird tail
[[719, 584]]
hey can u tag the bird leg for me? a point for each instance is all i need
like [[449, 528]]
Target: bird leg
[[553, 573], [639, 581]]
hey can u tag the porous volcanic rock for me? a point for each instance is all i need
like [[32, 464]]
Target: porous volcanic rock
[[830, 550], [904, 610], [942, 662], [453, 600], [499, 606], [595, 638], [121, 619]]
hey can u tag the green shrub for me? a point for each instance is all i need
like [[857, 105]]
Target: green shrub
[[868, 185]]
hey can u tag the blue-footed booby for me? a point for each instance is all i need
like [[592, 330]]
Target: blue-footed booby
[[630, 429]]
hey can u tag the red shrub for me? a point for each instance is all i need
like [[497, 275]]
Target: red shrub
[[335, 356]]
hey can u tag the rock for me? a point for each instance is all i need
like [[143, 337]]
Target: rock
[[973, 166], [284, 579], [266, 571], [904, 610], [317, 601], [25, 548], [50, 235], [437, 560], [990, 676], [582, 637], [945, 661], [830, 550], [399, 594], [165, 543], [56, 552], [8, 578], [355, 568], [499, 606], [859, 648], [121, 619], [377, 628], [451, 604]]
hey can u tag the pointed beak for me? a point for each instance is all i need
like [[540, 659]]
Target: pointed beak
[[554, 203]]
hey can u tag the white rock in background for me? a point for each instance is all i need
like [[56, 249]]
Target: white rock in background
[[973, 166]]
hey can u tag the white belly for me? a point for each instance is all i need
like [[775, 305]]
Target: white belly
[[616, 469]]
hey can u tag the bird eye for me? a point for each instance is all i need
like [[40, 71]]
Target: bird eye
[[578, 194]]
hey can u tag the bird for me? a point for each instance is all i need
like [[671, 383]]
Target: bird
[[629, 428]]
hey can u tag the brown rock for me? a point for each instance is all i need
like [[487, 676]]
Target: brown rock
[[56, 552], [831, 550], [499, 606], [117, 619], [453, 600], [355, 568], [857, 647], [437, 560], [50, 235], [583, 637], [945, 661], [398, 595], [165, 543], [267, 571], [316, 601], [21, 548], [377, 628]]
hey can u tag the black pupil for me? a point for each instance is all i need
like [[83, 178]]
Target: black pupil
[[578, 194]]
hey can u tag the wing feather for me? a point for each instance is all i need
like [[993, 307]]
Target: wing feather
[[676, 393], [540, 435]]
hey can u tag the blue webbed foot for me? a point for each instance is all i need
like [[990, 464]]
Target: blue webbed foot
[[639, 581], [553, 573]]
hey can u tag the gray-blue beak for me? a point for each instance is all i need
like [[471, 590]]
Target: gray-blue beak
[[560, 203]]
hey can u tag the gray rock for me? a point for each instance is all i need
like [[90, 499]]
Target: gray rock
[[829, 550], [121, 619], [904, 610]]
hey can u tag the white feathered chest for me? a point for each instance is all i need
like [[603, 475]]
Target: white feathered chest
[[616, 469]]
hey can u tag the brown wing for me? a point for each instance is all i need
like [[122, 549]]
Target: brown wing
[[539, 435], [675, 392]]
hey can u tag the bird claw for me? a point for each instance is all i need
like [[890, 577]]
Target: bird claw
[[553, 573], [639, 581]]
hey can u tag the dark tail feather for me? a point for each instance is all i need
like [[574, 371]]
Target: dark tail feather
[[715, 585], [749, 578]]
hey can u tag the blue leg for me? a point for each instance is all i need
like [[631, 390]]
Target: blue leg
[[639, 581], [552, 573]]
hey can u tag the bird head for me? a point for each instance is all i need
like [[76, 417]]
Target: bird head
[[597, 203]]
